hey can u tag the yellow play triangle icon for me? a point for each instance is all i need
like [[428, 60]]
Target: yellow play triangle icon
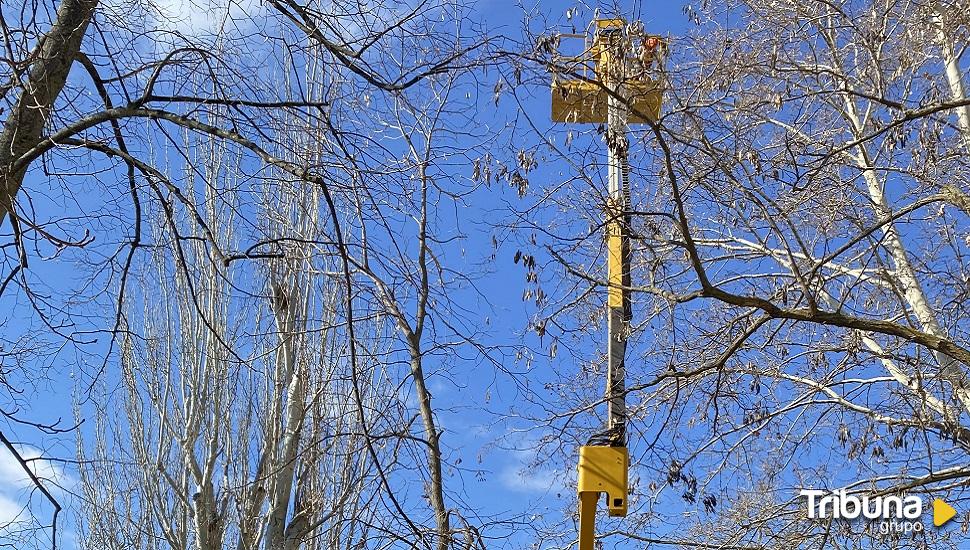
[[942, 512]]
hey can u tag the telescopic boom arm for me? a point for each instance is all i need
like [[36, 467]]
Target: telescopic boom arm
[[618, 92]]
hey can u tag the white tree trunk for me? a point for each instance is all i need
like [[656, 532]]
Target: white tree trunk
[[913, 292], [954, 78], [285, 304]]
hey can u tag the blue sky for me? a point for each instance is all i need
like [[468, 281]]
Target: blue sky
[[518, 480], [503, 464], [484, 421]]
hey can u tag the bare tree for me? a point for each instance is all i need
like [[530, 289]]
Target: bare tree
[[254, 432], [220, 447], [800, 214], [34, 81], [402, 257]]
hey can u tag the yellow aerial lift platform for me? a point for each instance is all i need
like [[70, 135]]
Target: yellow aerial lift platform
[[615, 80]]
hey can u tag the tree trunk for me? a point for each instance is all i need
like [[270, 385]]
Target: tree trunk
[[285, 305], [436, 485], [912, 290], [55, 54], [953, 77]]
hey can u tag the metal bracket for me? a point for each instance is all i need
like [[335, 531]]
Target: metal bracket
[[601, 470]]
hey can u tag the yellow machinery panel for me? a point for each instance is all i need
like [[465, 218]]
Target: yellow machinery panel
[[604, 470], [581, 101], [578, 101], [614, 245], [610, 24]]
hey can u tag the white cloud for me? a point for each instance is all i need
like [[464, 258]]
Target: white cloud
[[13, 478], [10, 512], [523, 473], [189, 18], [520, 477], [17, 489], [205, 17]]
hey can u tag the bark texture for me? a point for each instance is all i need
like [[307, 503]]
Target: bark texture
[[54, 56]]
